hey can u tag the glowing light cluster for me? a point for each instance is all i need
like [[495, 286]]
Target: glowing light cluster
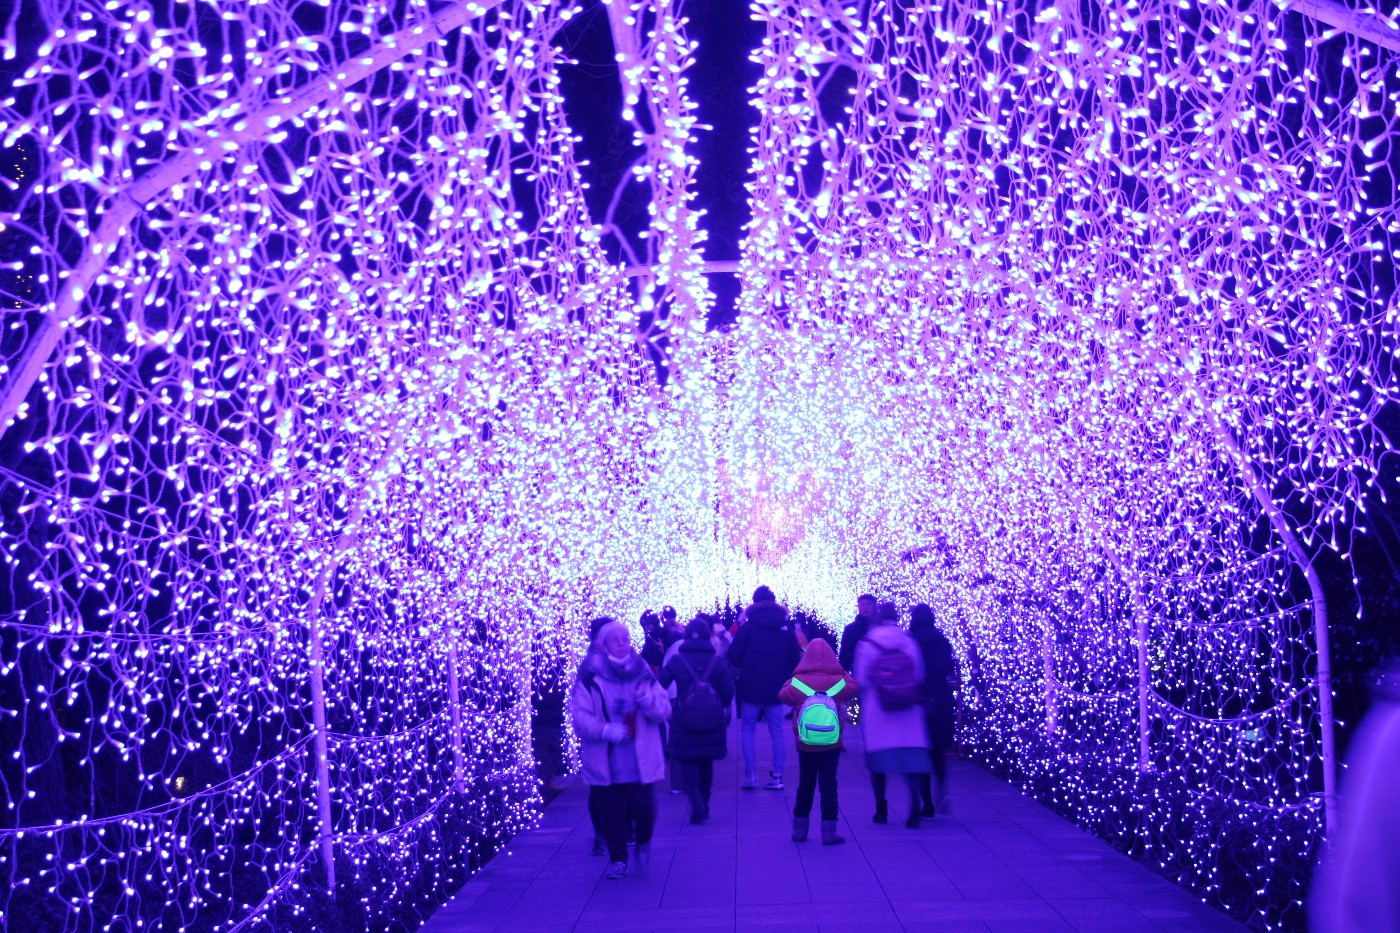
[[335, 421], [1090, 313], [347, 424]]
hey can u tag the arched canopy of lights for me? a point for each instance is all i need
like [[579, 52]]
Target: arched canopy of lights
[[331, 414]]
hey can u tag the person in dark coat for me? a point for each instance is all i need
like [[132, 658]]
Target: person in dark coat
[[671, 629], [938, 701], [618, 709], [653, 645], [853, 633], [696, 752], [764, 652], [852, 636]]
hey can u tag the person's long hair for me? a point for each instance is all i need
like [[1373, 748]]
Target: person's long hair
[[921, 618]]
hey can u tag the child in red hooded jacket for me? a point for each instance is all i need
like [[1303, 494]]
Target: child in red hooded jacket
[[819, 738]]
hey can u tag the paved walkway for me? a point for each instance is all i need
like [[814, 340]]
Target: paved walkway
[[997, 862]]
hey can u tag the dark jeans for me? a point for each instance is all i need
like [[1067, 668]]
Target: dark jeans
[[615, 804], [593, 813], [940, 764], [593, 818], [815, 768], [697, 779]]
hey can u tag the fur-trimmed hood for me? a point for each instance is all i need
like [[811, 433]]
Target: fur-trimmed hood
[[766, 615]]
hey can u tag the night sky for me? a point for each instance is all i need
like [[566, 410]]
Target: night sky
[[718, 82]]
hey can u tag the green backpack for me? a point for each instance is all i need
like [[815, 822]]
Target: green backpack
[[818, 718]]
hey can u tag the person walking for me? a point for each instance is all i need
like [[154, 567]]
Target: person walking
[[618, 709], [889, 664], [816, 688], [704, 691], [594, 627], [672, 647], [937, 654], [653, 644], [764, 653], [854, 633], [851, 636]]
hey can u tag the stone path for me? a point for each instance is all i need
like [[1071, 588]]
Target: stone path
[[997, 862]]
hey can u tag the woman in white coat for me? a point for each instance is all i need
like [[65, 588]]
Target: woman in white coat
[[890, 666], [619, 709]]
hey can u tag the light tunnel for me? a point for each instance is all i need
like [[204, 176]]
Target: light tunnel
[[334, 406]]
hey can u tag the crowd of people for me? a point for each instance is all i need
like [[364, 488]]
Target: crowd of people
[[674, 699]]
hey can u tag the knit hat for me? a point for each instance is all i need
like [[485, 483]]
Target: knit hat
[[601, 637]]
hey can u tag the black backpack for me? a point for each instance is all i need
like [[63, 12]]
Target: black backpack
[[701, 710]]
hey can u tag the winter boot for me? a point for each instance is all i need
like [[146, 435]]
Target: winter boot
[[882, 807], [800, 825], [916, 803], [829, 837]]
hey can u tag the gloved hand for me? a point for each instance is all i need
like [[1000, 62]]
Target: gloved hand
[[614, 732]]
